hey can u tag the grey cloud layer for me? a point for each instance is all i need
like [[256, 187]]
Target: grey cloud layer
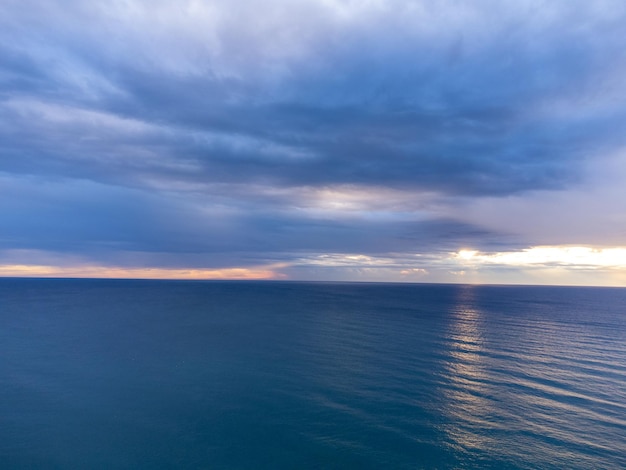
[[107, 223], [459, 100]]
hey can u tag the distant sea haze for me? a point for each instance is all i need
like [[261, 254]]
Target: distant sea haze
[[105, 374]]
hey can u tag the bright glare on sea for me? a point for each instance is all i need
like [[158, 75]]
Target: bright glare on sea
[[279, 375]]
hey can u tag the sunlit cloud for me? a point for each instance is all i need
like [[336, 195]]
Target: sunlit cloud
[[564, 256], [414, 271], [348, 260], [536, 265], [548, 264], [569, 256]]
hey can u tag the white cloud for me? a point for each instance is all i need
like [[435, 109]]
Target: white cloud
[[567, 256]]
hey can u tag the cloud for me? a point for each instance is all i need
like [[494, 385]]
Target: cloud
[[207, 134], [319, 93], [577, 256], [106, 222]]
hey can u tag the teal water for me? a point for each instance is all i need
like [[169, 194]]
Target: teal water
[[278, 375]]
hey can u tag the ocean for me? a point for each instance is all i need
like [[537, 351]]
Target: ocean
[[122, 374]]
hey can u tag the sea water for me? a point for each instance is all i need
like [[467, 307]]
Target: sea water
[[285, 375]]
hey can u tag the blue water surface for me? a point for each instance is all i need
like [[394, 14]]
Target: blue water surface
[[283, 375]]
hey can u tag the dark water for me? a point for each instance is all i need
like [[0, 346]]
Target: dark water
[[138, 374]]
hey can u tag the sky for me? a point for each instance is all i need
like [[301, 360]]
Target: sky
[[474, 141]]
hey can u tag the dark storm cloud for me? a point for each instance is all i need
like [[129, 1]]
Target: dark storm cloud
[[133, 113], [462, 112]]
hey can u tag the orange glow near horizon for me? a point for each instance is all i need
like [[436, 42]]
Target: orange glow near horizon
[[104, 272]]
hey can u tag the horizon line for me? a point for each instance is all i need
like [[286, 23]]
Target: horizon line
[[301, 281]]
